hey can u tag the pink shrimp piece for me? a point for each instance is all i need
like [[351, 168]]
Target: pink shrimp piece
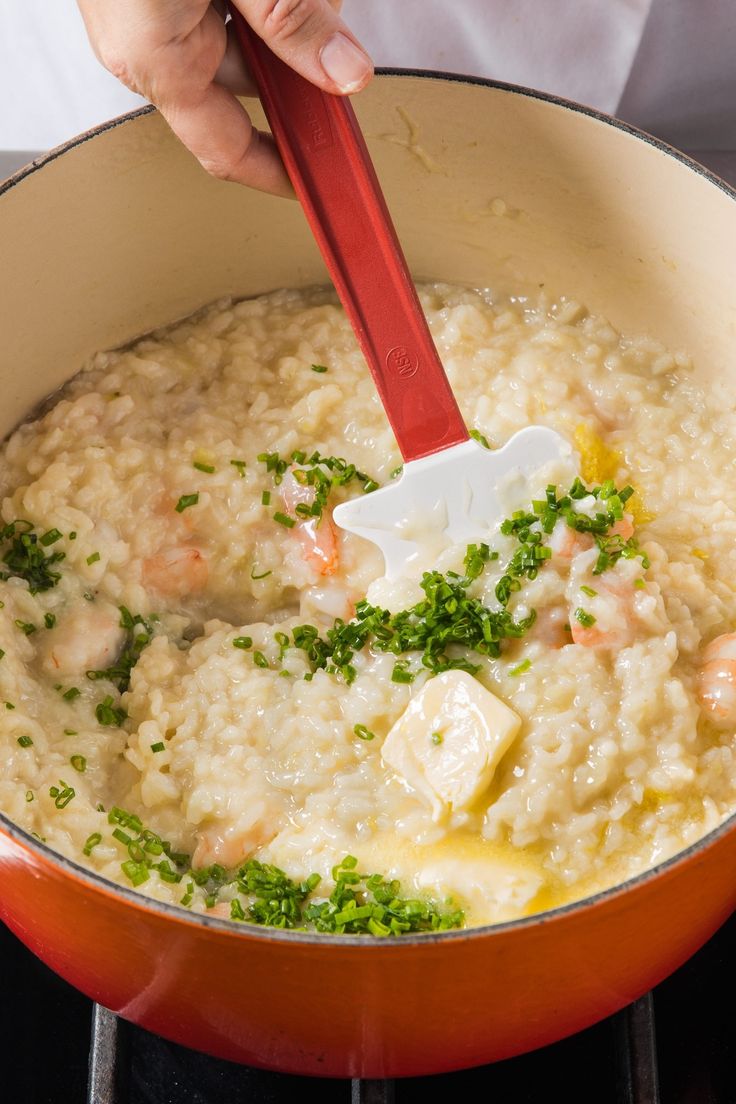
[[566, 543], [716, 684], [231, 847], [87, 639], [612, 607], [623, 528], [318, 536], [552, 627], [221, 910], [176, 572]]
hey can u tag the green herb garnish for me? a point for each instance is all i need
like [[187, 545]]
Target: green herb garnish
[[79, 763], [479, 437], [319, 368], [186, 501], [25, 558], [25, 741], [208, 469], [240, 465], [363, 733], [139, 634], [243, 642], [108, 713], [62, 794], [91, 842], [322, 473], [586, 619]]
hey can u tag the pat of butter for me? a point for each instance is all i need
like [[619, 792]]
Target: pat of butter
[[506, 888], [449, 741]]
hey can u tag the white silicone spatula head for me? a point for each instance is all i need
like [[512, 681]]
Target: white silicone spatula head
[[455, 490], [446, 474]]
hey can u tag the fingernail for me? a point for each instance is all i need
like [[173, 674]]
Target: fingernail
[[345, 63]]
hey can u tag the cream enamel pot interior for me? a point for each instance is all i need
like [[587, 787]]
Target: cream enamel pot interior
[[120, 232]]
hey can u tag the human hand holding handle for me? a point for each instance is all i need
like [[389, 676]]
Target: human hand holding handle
[[180, 55]]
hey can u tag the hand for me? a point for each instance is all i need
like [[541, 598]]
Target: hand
[[180, 55]]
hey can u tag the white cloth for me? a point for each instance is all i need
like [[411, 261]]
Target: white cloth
[[665, 65]]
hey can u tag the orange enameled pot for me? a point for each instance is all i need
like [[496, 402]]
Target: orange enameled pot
[[119, 232]]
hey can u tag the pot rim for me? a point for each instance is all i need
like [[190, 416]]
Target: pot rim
[[246, 929]]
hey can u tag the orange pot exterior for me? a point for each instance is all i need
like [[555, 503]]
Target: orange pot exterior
[[342, 1007], [514, 187]]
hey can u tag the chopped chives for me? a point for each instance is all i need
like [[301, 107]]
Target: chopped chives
[[109, 714], [363, 733], [25, 626], [9, 705], [480, 438], [243, 642], [186, 501], [49, 620], [29, 795], [79, 763], [62, 794], [25, 741], [436, 738], [159, 746], [91, 842], [266, 498], [240, 465], [589, 591], [72, 536], [319, 368], [50, 537], [93, 558], [70, 694], [263, 574], [207, 468], [520, 668], [70, 732], [586, 619], [284, 519], [260, 660]]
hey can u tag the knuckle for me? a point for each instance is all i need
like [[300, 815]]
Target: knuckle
[[287, 19], [119, 66]]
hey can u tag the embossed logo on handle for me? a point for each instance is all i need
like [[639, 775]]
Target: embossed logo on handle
[[401, 362], [315, 116]]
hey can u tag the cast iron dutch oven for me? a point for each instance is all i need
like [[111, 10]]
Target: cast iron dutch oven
[[119, 232]]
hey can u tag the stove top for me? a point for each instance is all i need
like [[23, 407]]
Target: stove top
[[675, 1046]]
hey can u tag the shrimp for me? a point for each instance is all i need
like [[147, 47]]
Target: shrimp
[[716, 683], [551, 627], [602, 608], [176, 572], [612, 608], [230, 846], [86, 639], [566, 543], [318, 536]]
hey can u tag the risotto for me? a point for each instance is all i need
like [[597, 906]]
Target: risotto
[[211, 693]]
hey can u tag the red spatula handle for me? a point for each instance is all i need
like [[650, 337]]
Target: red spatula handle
[[327, 160]]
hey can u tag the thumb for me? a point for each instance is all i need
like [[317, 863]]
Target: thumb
[[310, 37]]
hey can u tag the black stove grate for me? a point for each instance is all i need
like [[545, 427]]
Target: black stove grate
[[677, 1045]]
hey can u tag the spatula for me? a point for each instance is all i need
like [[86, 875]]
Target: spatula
[[448, 478]]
